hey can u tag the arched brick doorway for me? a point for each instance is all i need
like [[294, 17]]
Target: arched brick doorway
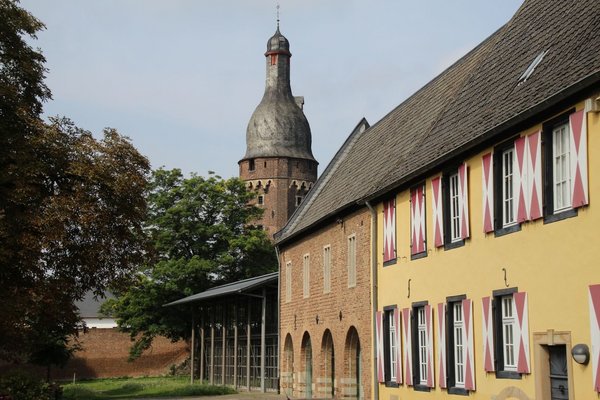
[[326, 381], [305, 377], [287, 367], [352, 385]]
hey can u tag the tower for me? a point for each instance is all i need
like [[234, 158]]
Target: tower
[[278, 165]]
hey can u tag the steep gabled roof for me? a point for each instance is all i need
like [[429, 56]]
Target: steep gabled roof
[[482, 95], [324, 180]]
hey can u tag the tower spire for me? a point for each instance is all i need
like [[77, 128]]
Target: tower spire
[[277, 16]]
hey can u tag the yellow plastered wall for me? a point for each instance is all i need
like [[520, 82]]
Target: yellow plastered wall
[[554, 263]]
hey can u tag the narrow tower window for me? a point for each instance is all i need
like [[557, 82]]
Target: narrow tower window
[[251, 165]]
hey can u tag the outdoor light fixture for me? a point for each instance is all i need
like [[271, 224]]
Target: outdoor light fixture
[[581, 353]]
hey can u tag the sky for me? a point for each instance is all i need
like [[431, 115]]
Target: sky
[[181, 78]]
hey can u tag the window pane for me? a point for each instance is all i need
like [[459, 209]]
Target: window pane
[[327, 269], [422, 345], [393, 345], [508, 325], [508, 214], [561, 172], [306, 275], [458, 345], [352, 261], [454, 208]]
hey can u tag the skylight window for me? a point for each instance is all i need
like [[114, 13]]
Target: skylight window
[[529, 71]]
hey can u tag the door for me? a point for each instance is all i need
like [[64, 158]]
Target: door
[[308, 370], [559, 377]]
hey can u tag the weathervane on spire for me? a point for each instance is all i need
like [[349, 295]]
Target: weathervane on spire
[[277, 16]]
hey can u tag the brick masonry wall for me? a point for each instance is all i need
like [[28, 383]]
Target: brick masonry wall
[[342, 311], [104, 355]]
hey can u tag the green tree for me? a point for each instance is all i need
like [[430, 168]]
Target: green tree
[[201, 237], [71, 206]]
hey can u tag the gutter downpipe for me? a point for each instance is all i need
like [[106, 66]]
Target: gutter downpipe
[[374, 292], [277, 254]]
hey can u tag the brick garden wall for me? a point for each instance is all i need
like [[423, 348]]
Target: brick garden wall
[[105, 353]]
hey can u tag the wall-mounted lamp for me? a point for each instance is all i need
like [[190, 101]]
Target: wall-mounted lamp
[[581, 353]]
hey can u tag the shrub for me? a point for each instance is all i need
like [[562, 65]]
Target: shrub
[[74, 392], [20, 385]]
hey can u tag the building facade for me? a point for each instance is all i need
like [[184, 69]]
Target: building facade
[[479, 208], [278, 165], [489, 285], [325, 311], [485, 274], [325, 298]]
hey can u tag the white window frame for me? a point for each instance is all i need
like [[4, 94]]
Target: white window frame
[[393, 348], [351, 260], [422, 345], [454, 198], [288, 281], [306, 276], [509, 348], [458, 345], [508, 187], [327, 269], [561, 170]]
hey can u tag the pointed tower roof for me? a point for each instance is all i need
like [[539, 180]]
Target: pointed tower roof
[[278, 126]]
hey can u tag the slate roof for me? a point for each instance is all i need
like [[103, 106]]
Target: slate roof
[[473, 101], [244, 286]]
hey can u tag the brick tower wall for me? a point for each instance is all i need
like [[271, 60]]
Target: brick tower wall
[[279, 180]]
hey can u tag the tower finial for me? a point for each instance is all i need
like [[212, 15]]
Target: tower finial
[[277, 16]]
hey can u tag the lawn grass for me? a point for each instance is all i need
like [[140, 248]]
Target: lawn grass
[[131, 388]]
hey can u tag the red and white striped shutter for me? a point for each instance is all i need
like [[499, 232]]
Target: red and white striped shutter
[[407, 340], [389, 230], [488, 193], [594, 297], [417, 220], [463, 201], [522, 334], [578, 147], [520, 179], [441, 347], [534, 175], [379, 344], [398, 318], [469, 356], [430, 356], [436, 188], [488, 334]]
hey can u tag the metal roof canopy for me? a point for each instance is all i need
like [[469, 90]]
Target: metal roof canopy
[[239, 287]]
